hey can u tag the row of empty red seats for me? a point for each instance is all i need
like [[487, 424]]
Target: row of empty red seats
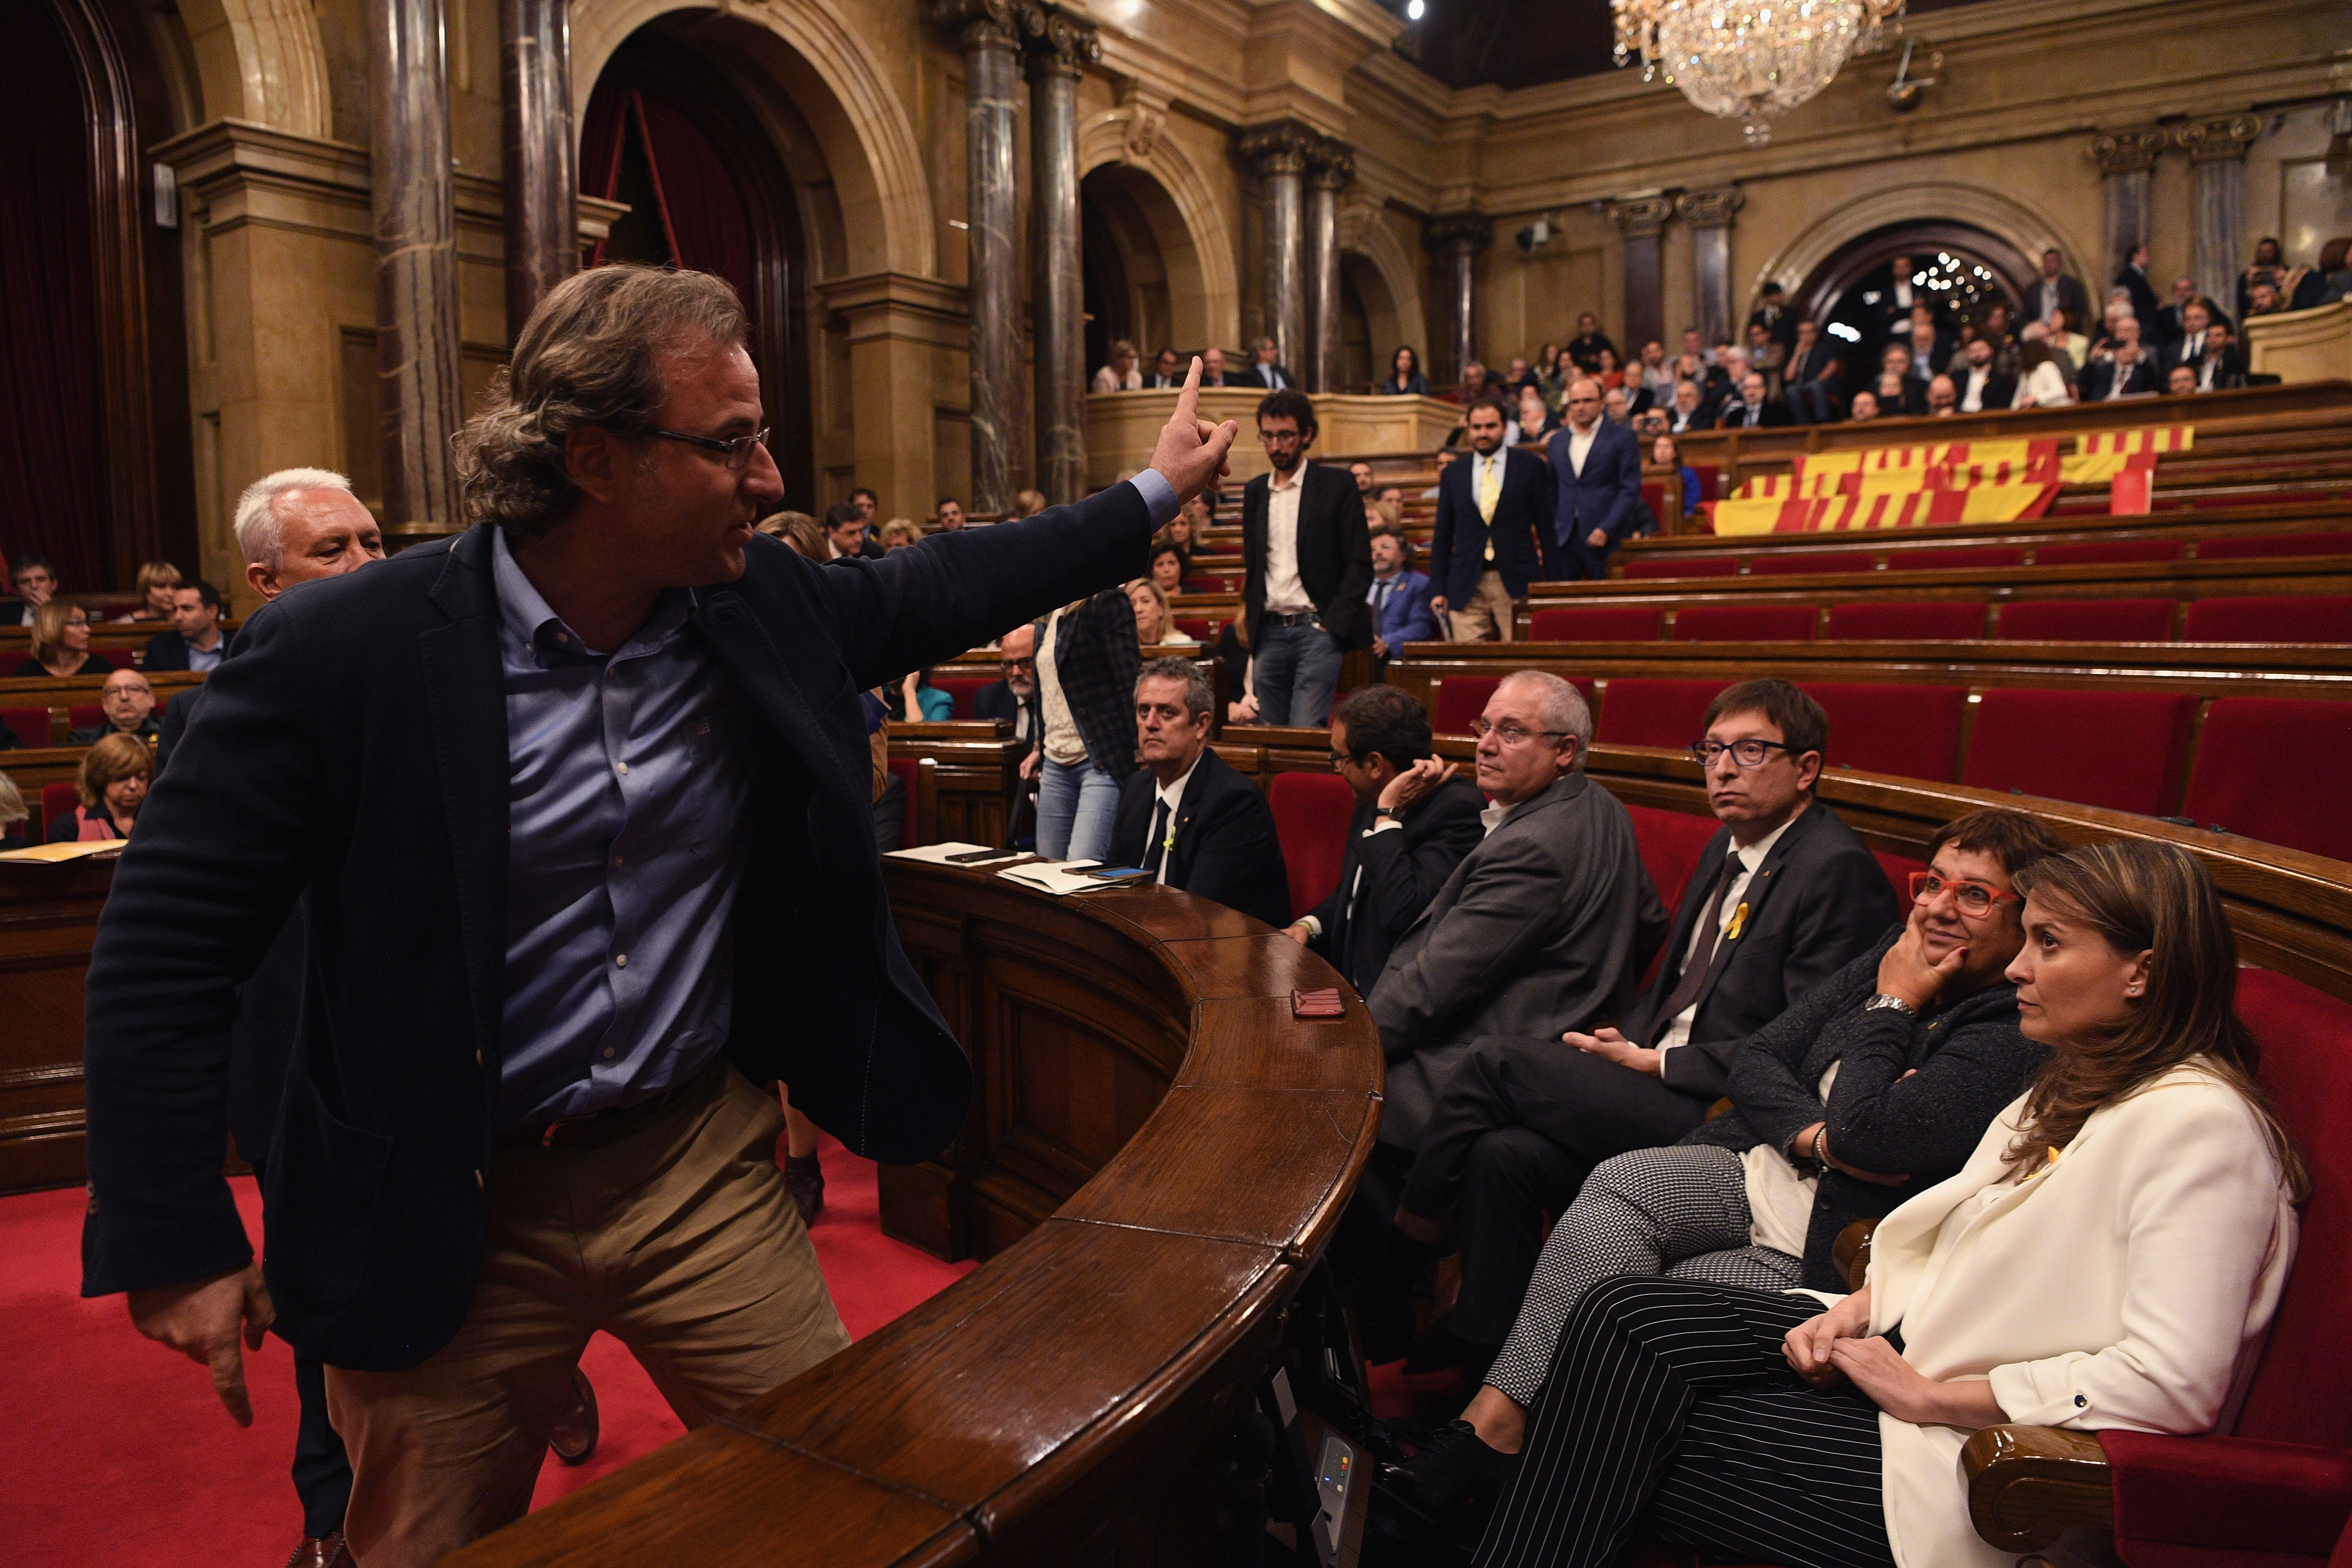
[[31, 725], [1974, 557], [2268, 618], [2267, 768]]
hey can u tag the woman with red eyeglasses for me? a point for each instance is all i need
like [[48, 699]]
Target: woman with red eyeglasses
[[1875, 1085]]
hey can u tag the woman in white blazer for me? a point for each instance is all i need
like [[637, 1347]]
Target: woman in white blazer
[[2110, 1256]]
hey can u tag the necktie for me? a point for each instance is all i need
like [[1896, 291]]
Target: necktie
[[1379, 604], [1155, 852], [1710, 926]]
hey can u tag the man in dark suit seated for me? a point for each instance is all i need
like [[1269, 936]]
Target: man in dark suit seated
[[1494, 515], [845, 530], [1263, 370], [1308, 566], [1596, 473], [1815, 368], [1185, 816], [1413, 823], [1755, 409], [1982, 387], [196, 640], [1690, 411], [580, 755], [2128, 370], [129, 705], [1013, 697], [1785, 896]]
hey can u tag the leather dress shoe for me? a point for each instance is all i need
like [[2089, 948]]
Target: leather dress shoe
[[1454, 1473], [321, 1551], [805, 1179], [574, 1437]]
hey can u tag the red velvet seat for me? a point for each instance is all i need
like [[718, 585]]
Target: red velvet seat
[[86, 716], [1696, 566], [57, 800], [1597, 623], [1746, 623], [1953, 557], [2257, 545], [964, 689], [1653, 496], [2277, 618], [1310, 818], [2278, 1489], [2273, 768], [31, 724], [1899, 869], [2087, 620], [2121, 750], [2107, 551], [1919, 621], [1913, 732], [1203, 632], [1637, 711], [1792, 562], [1671, 842], [1460, 699]]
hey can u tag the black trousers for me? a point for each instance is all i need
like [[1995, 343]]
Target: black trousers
[[1518, 1124], [1672, 1399], [322, 1472]]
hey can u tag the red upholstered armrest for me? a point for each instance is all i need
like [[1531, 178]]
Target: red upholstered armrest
[[2230, 1493]]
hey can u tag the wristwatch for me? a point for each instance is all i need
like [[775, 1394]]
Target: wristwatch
[[1883, 1000]]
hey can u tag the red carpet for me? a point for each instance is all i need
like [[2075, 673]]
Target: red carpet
[[113, 1450]]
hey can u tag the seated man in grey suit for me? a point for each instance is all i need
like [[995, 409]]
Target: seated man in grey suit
[[1543, 929], [1785, 896]]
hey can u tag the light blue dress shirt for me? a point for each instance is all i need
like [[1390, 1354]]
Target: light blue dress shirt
[[628, 787]]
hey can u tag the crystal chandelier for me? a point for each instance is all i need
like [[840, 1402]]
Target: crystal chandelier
[[1747, 59]]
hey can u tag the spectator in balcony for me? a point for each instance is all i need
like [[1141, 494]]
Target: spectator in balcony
[[1943, 398], [1688, 411], [1120, 374], [1167, 567], [949, 515], [1606, 371], [2264, 298], [1405, 377], [1186, 816], [35, 581], [156, 581], [1771, 314], [60, 644], [1155, 623], [1908, 390], [1583, 350], [2068, 342], [129, 706], [2223, 366], [2180, 381], [2043, 381], [1667, 453], [1029, 504], [1213, 372], [1864, 408], [1930, 346], [1756, 410], [14, 814], [1616, 408], [1264, 372], [1399, 595], [1167, 373], [1656, 389], [1767, 356], [2057, 289], [2125, 372], [846, 532], [112, 786], [1472, 386], [1995, 329], [1814, 369], [1517, 375], [1412, 824], [2170, 321], [2188, 346], [2336, 270], [2269, 266], [900, 533], [2132, 279], [1984, 388]]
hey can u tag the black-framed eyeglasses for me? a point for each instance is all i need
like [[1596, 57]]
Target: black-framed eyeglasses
[[1746, 753], [737, 449]]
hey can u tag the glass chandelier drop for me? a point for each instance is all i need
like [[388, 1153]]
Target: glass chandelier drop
[[1747, 59]]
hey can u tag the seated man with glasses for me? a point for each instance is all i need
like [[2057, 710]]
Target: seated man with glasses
[[1785, 895], [1875, 1084], [1544, 927]]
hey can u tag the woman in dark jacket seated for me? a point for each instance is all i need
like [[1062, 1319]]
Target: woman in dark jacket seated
[[1872, 1086], [2108, 1258], [113, 784], [60, 642]]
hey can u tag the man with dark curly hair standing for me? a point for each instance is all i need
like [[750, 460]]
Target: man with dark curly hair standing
[[542, 782]]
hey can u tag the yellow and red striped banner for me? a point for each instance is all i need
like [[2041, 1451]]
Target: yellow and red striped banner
[[1866, 511], [2140, 439]]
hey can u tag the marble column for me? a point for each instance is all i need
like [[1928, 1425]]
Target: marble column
[[1639, 222], [2217, 158], [1458, 239], [1060, 47], [1277, 154], [2125, 157], [542, 175], [1709, 214], [417, 341], [1329, 167], [990, 34]]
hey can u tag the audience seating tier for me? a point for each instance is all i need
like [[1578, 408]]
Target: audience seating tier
[[2086, 620], [1904, 620], [2270, 618], [1597, 623], [1745, 623]]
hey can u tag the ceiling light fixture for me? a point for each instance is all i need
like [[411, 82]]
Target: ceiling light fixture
[[1414, 10], [1747, 59]]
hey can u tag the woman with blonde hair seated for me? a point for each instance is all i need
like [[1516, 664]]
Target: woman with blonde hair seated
[[113, 784], [1155, 623], [2109, 1257], [900, 532], [156, 581], [61, 645]]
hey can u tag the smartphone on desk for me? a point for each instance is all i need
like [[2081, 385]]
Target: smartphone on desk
[[970, 856], [1114, 873]]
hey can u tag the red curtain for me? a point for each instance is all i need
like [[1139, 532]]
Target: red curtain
[[700, 209], [52, 413]]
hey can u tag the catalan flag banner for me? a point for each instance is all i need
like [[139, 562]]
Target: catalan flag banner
[[1747, 515], [2142, 439], [1782, 487], [1865, 513], [2005, 503], [2098, 468], [2003, 463]]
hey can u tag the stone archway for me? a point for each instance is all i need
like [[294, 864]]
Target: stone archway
[[2005, 219], [274, 69], [1168, 224], [1379, 271]]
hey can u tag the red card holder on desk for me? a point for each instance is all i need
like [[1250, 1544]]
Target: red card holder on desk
[[1323, 1004]]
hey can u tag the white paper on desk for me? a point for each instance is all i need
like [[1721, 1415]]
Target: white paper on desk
[[72, 849], [1059, 877], [939, 854]]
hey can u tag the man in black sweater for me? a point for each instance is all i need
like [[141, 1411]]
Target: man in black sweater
[[1413, 823]]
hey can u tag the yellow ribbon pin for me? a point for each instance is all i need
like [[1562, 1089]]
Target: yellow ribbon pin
[[1739, 918]]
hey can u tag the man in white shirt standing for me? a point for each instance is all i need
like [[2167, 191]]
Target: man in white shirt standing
[[1307, 565]]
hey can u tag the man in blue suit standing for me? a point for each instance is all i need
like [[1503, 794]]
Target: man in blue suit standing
[[1399, 595], [1493, 535], [1597, 467]]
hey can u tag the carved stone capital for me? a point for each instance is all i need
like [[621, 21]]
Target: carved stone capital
[[2213, 141], [1641, 217], [979, 23], [1282, 147], [1330, 165], [1059, 43], [2128, 151], [1709, 209], [1470, 231], [1144, 117]]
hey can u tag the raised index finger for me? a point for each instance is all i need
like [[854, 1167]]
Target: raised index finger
[[1187, 400]]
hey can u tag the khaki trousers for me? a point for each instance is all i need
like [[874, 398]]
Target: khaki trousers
[[1487, 617], [678, 1239]]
